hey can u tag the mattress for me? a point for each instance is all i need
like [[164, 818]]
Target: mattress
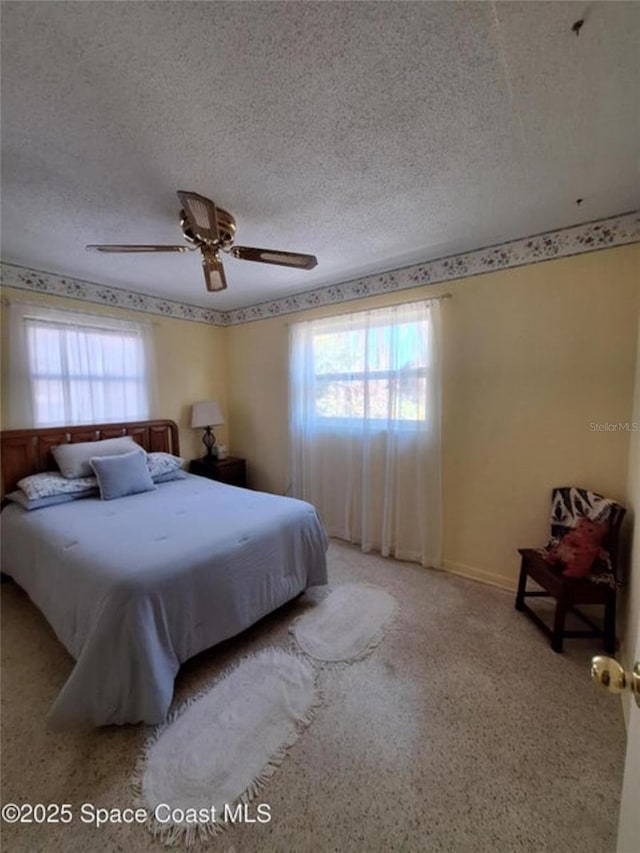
[[134, 587]]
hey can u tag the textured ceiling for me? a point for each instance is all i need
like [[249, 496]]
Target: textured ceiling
[[370, 134]]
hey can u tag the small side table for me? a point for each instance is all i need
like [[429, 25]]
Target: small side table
[[231, 470]]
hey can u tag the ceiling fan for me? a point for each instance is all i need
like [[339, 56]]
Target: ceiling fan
[[212, 230]]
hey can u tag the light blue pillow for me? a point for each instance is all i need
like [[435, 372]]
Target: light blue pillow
[[122, 475]]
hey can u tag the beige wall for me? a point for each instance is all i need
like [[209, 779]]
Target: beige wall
[[191, 363], [532, 356]]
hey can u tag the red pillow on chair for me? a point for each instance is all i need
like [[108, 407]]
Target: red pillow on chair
[[578, 549]]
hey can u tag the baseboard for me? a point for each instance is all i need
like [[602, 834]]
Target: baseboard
[[475, 574], [468, 572]]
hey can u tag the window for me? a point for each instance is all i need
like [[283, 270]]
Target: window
[[84, 369], [371, 365]]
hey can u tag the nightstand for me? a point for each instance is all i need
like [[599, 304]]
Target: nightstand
[[231, 470]]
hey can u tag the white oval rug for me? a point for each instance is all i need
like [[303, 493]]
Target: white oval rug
[[223, 745], [347, 625]]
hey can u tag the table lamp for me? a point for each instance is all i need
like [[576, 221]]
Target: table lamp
[[206, 413]]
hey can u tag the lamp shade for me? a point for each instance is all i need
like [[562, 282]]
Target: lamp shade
[[206, 413]]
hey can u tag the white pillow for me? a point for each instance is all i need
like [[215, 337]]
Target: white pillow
[[73, 459]]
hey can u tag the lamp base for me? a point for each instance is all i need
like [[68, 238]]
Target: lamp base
[[209, 440]]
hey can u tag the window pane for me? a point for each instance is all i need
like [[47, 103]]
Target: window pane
[[339, 352], [340, 399], [48, 401]]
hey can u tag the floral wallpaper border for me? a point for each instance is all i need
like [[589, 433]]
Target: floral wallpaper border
[[588, 237], [74, 288]]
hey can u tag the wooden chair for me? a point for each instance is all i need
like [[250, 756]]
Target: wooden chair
[[600, 588]]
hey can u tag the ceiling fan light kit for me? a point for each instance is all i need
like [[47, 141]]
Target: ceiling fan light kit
[[212, 230]]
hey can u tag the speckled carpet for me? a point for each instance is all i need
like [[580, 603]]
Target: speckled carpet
[[462, 732]]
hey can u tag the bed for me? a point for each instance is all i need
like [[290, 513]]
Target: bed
[[134, 587]]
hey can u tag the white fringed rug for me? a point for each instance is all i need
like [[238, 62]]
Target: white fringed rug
[[222, 746], [347, 625]]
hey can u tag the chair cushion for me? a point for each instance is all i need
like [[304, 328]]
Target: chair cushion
[[579, 548]]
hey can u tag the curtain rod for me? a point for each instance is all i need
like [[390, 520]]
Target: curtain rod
[[5, 301], [362, 310]]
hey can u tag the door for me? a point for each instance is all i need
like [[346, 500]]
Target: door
[[629, 826]]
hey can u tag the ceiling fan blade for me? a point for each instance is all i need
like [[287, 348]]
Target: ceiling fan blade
[[116, 247], [201, 216], [214, 276], [271, 256]]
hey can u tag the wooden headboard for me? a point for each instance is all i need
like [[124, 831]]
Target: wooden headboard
[[28, 451]]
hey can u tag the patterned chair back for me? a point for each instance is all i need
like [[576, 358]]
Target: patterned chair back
[[569, 505]]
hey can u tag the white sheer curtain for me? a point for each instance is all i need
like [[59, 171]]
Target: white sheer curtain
[[364, 424], [73, 368]]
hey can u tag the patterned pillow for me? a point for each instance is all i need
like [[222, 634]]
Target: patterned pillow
[[170, 476], [53, 483], [160, 464], [569, 505], [19, 497]]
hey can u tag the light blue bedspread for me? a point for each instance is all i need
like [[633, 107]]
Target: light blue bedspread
[[134, 587]]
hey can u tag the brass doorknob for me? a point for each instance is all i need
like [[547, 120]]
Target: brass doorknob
[[607, 672]]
